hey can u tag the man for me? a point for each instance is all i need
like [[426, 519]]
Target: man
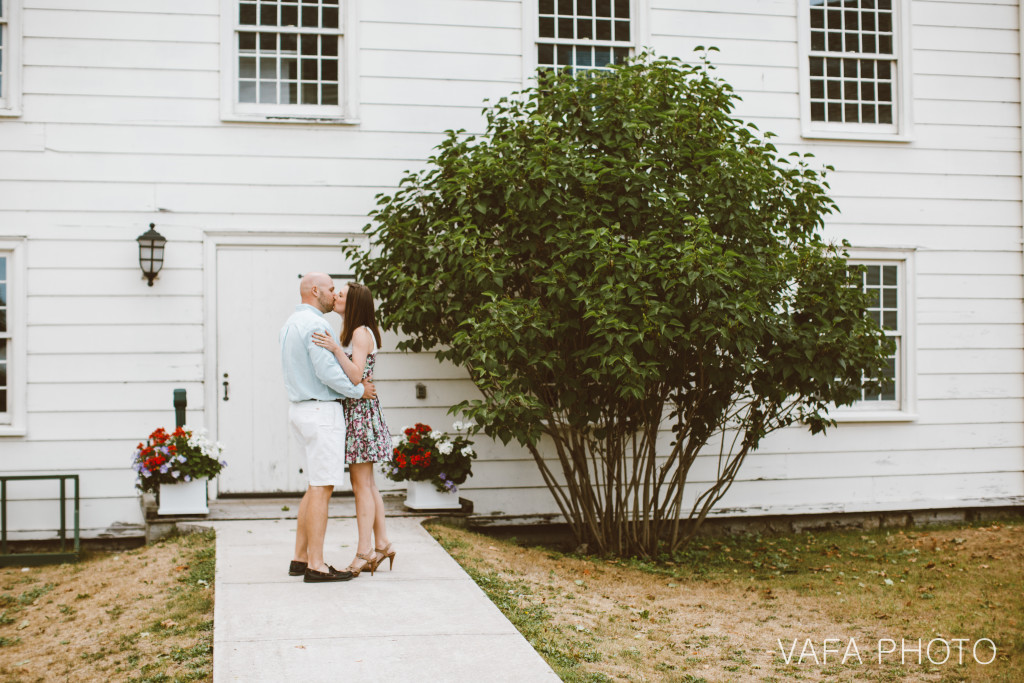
[[315, 383]]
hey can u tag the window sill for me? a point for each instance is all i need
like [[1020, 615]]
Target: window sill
[[855, 136], [12, 430], [277, 118], [874, 416], [11, 112]]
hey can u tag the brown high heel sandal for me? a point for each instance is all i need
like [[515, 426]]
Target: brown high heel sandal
[[385, 553], [368, 563]]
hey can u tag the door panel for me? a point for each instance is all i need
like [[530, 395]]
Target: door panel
[[257, 289]]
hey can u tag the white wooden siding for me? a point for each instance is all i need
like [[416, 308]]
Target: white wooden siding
[[121, 128]]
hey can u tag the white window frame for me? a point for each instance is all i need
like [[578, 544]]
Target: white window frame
[[12, 423], [639, 23], [901, 129], [345, 112], [10, 88], [904, 408]]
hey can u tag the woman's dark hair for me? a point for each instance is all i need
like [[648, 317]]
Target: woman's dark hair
[[359, 311]]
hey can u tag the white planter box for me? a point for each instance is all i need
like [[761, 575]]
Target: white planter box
[[421, 495], [186, 498]]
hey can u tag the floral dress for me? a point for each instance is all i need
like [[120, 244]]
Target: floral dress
[[367, 438]]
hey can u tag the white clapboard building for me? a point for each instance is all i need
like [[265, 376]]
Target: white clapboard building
[[255, 134]]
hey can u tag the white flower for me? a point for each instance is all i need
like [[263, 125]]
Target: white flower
[[435, 435], [457, 426], [467, 450], [444, 447], [396, 441]]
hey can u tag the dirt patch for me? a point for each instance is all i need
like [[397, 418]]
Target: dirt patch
[[143, 614], [736, 609]]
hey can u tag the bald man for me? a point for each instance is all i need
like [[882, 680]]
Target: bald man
[[316, 383]]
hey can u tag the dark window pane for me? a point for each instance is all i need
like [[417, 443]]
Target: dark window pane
[[584, 28], [547, 27], [247, 14], [310, 94], [246, 41], [867, 92], [329, 46], [852, 110], [884, 22], [867, 68], [889, 297], [545, 54], [817, 111], [584, 7], [309, 70], [817, 89], [329, 70], [889, 274], [565, 7], [622, 30], [622, 9], [850, 90], [835, 41], [330, 93], [290, 69], [308, 45], [310, 18], [565, 27], [884, 71], [867, 113], [852, 19], [817, 66], [268, 41], [852, 43], [873, 276], [3, 400], [290, 15], [885, 4], [885, 113], [875, 316], [817, 17], [867, 22], [832, 67], [834, 90], [602, 56], [621, 54], [547, 6], [604, 29], [885, 45], [884, 93], [293, 93], [603, 8], [889, 320], [834, 19], [564, 55], [290, 42], [330, 17], [850, 68], [584, 56], [869, 43], [817, 40]]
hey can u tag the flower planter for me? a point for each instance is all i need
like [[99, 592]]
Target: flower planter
[[185, 498], [421, 495]]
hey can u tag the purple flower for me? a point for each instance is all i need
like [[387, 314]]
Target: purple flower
[[188, 478]]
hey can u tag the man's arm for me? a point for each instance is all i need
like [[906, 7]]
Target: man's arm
[[329, 371]]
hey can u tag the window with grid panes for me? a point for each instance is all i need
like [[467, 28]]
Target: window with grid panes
[[882, 282], [288, 58], [5, 342], [853, 62], [583, 34]]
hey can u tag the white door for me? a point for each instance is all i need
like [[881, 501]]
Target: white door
[[257, 289]]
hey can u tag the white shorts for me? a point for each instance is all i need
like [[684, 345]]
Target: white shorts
[[320, 427]]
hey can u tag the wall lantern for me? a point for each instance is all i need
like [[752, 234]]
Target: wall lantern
[[151, 253]]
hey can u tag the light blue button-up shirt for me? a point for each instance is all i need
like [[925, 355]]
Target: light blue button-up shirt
[[310, 371]]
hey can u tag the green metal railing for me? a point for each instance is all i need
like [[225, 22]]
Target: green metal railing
[[8, 559]]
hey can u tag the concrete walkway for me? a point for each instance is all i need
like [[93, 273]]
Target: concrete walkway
[[425, 622]]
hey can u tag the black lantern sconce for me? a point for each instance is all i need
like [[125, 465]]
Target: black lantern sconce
[[151, 253]]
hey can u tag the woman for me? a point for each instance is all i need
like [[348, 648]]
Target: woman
[[367, 439]]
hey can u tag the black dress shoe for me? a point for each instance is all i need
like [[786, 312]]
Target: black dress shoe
[[332, 574], [296, 568]]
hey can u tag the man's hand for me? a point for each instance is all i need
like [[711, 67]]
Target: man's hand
[[369, 391]]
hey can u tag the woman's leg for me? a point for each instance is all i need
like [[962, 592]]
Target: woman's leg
[[361, 474], [380, 531]]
